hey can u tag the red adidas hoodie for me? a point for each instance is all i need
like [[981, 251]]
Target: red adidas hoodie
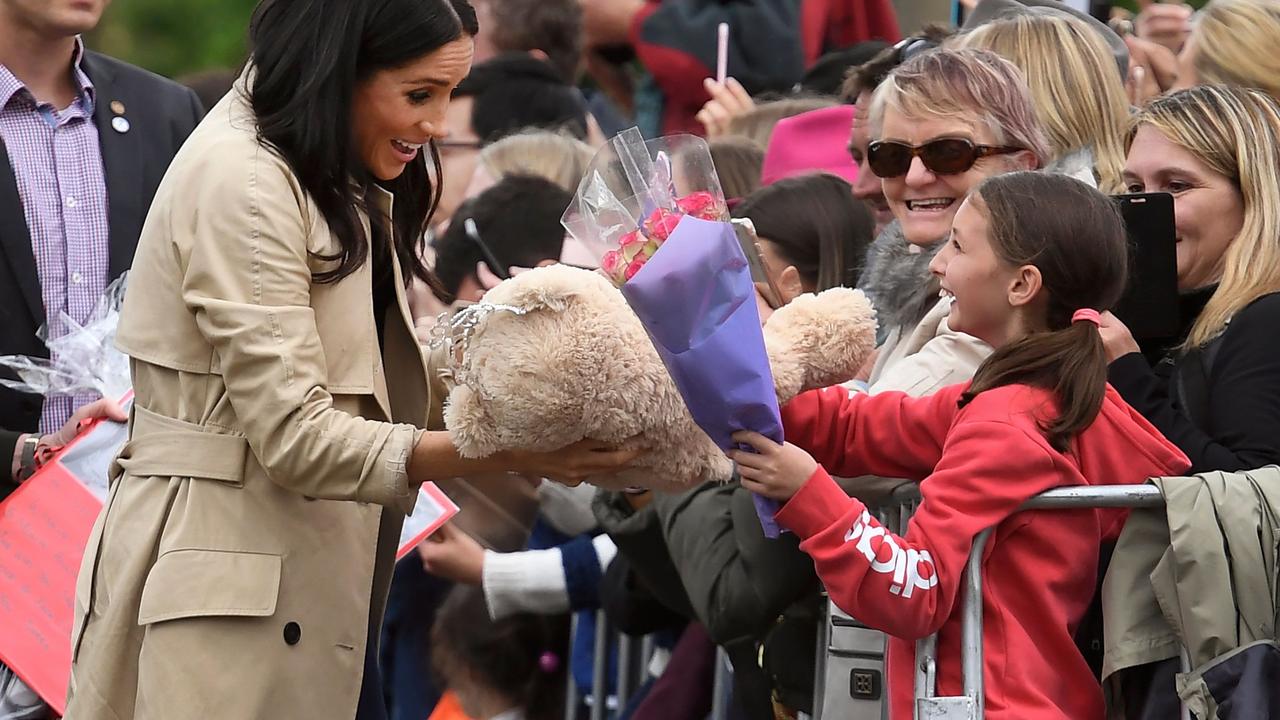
[[979, 464]]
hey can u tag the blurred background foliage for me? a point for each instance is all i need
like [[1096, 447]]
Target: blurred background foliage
[[175, 37]]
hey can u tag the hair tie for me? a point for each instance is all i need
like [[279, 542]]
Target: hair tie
[[548, 662], [1087, 315]]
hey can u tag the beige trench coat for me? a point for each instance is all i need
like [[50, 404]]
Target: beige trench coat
[[249, 536]]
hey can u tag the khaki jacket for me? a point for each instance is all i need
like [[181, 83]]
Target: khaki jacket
[[249, 535], [1198, 574]]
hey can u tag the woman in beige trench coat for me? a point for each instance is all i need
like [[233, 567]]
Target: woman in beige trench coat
[[241, 563]]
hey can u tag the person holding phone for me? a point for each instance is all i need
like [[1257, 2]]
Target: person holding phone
[[1217, 395]]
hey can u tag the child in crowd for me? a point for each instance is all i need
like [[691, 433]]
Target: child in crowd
[[1031, 261], [509, 669]]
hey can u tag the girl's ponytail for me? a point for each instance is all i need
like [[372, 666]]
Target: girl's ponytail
[[1075, 237]]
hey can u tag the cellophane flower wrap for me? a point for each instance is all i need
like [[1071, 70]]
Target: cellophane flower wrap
[[656, 214]]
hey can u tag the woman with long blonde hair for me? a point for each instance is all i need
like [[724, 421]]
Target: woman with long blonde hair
[[1233, 42], [1062, 57], [1214, 149]]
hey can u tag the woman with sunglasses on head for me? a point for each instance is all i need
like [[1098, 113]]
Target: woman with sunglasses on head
[[940, 123]]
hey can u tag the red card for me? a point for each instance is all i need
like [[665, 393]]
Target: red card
[[44, 526]]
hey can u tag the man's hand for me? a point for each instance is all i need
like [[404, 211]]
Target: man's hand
[[453, 555], [104, 408]]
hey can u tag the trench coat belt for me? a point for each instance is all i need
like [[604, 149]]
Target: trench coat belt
[[162, 446]]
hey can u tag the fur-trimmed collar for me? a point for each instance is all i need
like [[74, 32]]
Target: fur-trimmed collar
[[897, 280]]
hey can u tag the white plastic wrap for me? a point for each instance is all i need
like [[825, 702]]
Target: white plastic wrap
[[85, 358]]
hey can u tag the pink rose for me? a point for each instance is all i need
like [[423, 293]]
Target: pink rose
[[631, 245], [660, 224], [635, 265], [702, 205], [614, 266]]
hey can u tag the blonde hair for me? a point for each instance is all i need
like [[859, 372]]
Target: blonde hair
[[738, 162], [1235, 44], [1234, 131], [974, 84], [757, 123], [558, 157], [1061, 57]]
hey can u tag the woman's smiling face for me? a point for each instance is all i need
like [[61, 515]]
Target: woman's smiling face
[[1207, 206], [924, 202]]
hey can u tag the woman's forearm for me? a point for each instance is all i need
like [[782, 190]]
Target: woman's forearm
[[434, 457]]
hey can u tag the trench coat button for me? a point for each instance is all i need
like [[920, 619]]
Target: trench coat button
[[292, 633]]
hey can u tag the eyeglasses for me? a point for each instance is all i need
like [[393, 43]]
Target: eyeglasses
[[944, 156]]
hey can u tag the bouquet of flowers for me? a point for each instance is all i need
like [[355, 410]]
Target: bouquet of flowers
[[657, 215]]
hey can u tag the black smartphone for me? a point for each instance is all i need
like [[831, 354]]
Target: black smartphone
[[1149, 306]]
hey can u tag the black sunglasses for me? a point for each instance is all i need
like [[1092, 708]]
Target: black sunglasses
[[944, 156]]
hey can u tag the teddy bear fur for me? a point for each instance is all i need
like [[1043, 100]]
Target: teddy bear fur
[[579, 364]]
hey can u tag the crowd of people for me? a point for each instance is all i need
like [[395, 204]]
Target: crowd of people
[[294, 232]]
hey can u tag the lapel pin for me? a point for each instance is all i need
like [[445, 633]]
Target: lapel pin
[[120, 124], [117, 107]]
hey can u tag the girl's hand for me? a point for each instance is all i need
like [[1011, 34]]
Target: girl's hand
[[774, 471], [1116, 338], [453, 555]]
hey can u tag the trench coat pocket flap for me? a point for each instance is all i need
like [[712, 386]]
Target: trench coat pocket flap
[[210, 583]]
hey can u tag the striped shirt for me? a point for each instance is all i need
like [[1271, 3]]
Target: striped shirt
[[58, 166]]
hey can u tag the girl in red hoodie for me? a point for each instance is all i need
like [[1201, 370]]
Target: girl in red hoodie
[[1031, 261]]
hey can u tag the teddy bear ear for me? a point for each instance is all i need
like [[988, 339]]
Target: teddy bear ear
[[469, 424], [820, 340]]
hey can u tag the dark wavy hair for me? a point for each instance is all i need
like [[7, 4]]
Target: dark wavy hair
[[816, 224], [1075, 236], [308, 57]]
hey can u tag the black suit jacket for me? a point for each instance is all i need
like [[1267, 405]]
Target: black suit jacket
[[161, 114]]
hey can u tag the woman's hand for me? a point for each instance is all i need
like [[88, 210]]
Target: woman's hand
[[435, 457], [1153, 70], [453, 555], [574, 464], [774, 471], [727, 102], [1166, 24], [1116, 337]]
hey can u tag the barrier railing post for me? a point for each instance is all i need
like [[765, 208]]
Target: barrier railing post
[[626, 672], [720, 687], [600, 669], [971, 625], [571, 702]]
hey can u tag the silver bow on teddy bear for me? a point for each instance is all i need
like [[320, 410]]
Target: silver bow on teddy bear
[[555, 355]]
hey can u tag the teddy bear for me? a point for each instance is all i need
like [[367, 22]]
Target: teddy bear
[[555, 355]]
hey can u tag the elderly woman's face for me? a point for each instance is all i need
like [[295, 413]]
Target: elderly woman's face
[[1207, 207], [396, 111], [924, 202]]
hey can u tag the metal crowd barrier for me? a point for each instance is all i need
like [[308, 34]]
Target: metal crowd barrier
[[970, 705], [634, 656]]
